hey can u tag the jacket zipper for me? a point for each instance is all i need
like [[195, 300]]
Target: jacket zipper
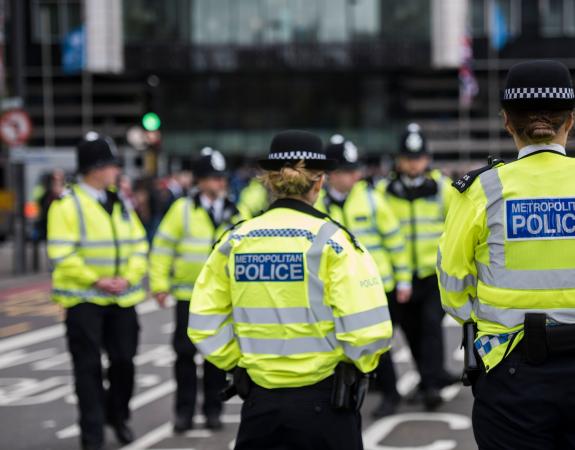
[[116, 244], [413, 237]]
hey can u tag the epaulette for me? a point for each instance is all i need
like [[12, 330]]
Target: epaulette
[[467, 180], [353, 239], [229, 229]]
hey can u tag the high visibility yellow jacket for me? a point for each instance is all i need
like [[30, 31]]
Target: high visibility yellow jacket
[[369, 217], [421, 212], [85, 243], [254, 199], [509, 249], [182, 244], [287, 296]]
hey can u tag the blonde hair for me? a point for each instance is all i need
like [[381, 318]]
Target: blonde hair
[[290, 180]]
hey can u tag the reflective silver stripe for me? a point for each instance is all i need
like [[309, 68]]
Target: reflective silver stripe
[[356, 352], [451, 283], [510, 318], [194, 258], [313, 260], [365, 232], [104, 261], [226, 248], [493, 190], [59, 259], [89, 293], [526, 279], [496, 274], [142, 254], [434, 235], [281, 316], [95, 243], [186, 218], [391, 233], [462, 312], [386, 279], [189, 286], [373, 248], [163, 251], [62, 242], [401, 268], [165, 237], [217, 341], [285, 347], [197, 241], [206, 322], [82, 223], [363, 319], [396, 249]]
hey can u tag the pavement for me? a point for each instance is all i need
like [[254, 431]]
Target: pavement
[[37, 403]]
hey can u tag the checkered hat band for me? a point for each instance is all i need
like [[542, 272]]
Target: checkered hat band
[[296, 155], [546, 92]]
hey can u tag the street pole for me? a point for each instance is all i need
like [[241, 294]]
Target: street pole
[[47, 87], [493, 83]]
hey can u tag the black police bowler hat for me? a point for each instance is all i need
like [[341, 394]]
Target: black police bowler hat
[[211, 164], [291, 146], [344, 152], [95, 151], [538, 85], [413, 143]]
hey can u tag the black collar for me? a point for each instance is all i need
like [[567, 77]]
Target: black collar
[[298, 205]]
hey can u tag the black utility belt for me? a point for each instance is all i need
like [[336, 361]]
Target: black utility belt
[[543, 339], [347, 386]]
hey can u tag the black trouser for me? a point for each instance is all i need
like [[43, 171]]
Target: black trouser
[[386, 378], [420, 320], [521, 406], [297, 419], [89, 328], [185, 371]]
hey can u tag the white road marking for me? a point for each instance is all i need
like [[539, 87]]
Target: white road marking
[[403, 355], [56, 331], [380, 429], [137, 402], [54, 361], [153, 437], [18, 357], [407, 382]]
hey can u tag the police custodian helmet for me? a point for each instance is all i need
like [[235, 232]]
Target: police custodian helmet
[[210, 164], [413, 143], [291, 146], [95, 151], [344, 152], [538, 85]]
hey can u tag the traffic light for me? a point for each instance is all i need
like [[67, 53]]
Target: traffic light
[[151, 121]]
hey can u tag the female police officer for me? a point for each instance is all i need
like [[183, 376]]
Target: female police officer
[[507, 261], [288, 296]]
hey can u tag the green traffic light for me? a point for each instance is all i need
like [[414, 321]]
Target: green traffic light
[[151, 121]]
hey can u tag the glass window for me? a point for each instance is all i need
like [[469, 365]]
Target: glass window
[[408, 19], [480, 13], [557, 17], [53, 19], [154, 20]]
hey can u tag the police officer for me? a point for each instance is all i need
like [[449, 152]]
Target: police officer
[[507, 262], [98, 250], [420, 198], [180, 249], [356, 204], [284, 298]]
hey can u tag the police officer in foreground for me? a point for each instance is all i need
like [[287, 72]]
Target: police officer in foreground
[[181, 247], [296, 306], [98, 250], [356, 204], [507, 263], [420, 196]]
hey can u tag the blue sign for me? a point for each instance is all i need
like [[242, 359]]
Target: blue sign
[[73, 49], [269, 267], [540, 218]]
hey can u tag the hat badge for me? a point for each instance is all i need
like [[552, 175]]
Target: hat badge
[[350, 152], [217, 160], [413, 142]]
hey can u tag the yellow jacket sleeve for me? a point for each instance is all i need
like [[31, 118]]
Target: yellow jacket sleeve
[[163, 252], [393, 241], [355, 293], [210, 322], [63, 238], [138, 262], [456, 269]]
